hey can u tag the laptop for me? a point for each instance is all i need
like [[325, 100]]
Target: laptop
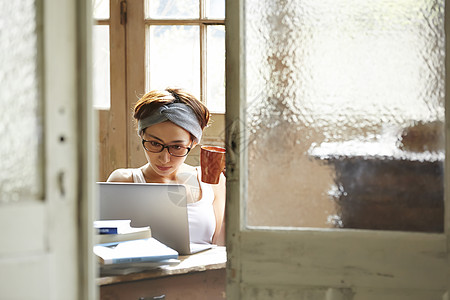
[[163, 207]]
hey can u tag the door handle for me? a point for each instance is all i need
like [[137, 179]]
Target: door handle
[[161, 297]]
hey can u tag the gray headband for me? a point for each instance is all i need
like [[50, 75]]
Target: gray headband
[[178, 113]]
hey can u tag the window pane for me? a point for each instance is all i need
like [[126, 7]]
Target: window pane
[[21, 125], [100, 9], [172, 9], [345, 113], [101, 61], [173, 57], [215, 9], [216, 68]]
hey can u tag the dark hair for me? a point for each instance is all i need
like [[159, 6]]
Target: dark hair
[[153, 100]]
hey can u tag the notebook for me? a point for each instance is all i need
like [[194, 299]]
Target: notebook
[[160, 206]]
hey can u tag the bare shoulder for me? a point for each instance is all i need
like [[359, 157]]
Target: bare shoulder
[[121, 175]]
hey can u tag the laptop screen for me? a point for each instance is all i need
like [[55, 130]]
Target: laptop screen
[[160, 206]]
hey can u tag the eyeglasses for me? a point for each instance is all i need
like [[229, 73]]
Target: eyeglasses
[[174, 150]]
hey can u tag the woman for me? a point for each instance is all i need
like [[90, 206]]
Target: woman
[[170, 123]]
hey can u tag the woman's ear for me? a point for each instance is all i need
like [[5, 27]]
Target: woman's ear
[[194, 141], [141, 133]]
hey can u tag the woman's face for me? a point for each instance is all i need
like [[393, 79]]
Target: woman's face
[[167, 133]]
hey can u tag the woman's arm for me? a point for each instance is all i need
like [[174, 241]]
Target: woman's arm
[[219, 211]]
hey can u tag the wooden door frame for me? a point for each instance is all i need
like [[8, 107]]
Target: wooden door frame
[[70, 160], [447, 140], [234, 136], [87, 154]]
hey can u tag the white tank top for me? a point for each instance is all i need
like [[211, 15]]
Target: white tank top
[[201, 216]]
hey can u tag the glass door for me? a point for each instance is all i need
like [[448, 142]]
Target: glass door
[[336, 149]]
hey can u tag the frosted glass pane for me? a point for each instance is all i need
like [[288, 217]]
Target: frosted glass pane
[[101, 67], [215, 9], [216, 68], [100, 9], [172, 9], [173, 57], [345, 112], [20, 110]]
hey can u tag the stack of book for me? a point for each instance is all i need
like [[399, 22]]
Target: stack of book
[[123, 249], [110, 231]]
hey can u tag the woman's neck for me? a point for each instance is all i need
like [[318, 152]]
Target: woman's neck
[[152, 177], [185, 175]]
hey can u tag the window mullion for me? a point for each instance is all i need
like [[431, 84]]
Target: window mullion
[[203, 66], [202, 9]]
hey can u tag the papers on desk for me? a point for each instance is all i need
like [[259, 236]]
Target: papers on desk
[[123, 249], [144, 250], [129, 268]]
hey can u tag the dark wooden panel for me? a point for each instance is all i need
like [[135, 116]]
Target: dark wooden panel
[[207, 285]]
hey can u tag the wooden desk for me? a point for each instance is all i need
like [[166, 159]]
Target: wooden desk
[[198, 276]]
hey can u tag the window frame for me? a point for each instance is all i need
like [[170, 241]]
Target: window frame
[[118, 144], [203, 22]]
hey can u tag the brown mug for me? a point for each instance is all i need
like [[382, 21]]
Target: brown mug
[[212, 162]]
